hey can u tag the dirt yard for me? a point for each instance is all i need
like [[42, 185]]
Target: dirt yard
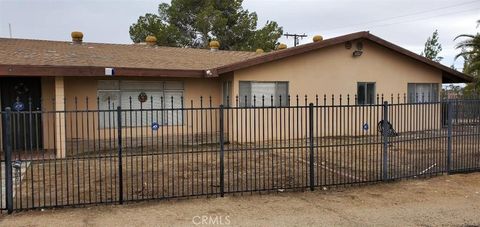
[[447, 200], [196, 171]]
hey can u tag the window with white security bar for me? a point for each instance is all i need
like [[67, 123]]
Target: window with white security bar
[[140, 95], [255, 93], [423, 92]]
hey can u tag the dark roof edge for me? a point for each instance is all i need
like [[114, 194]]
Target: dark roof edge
[[50, 70], [449, 73]]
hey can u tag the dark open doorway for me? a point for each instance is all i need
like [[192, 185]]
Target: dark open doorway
[[23, 95]]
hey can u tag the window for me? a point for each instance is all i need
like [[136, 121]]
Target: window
[[159, 95], [365, 93], [422, 92], [263, 93]]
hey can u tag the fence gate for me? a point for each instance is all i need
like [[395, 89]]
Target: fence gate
[[465, 135]]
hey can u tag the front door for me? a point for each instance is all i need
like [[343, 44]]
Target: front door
[[22, 95]]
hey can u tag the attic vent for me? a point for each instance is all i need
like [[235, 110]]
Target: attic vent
[[282, 46], [214, 45], [151, 40], [348, 45], [317, 38], [359, 45], [77, 37]]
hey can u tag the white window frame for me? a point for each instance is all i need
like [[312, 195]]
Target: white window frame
[[164, 113], [250, 97], [432, 96]]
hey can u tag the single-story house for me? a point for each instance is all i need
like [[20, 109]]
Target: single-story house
[[61, 76]]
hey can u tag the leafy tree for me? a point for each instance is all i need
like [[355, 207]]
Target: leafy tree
[[151, 24], [193, 23], [432, 48]]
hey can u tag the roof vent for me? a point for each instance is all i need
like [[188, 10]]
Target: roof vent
[[214, 45], [282, 46], [77, 37], [317, 38], [151, 40]]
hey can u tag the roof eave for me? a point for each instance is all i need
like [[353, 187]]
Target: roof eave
[[49, 70], [457, 77]]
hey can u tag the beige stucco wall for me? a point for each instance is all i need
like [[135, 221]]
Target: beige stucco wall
[[48, 95], [333, 70]]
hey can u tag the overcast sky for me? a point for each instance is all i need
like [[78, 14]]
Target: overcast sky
[[407, 23]]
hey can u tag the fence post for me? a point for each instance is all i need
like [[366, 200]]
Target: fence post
[[385, 141], [311, 146], [8, 161], [120, 166], [449, 135], [222, 153]]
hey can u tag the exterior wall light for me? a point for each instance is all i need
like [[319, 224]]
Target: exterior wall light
[[357, 53], [109, 72]]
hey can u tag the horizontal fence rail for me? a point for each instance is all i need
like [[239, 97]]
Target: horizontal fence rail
[[107, 152]]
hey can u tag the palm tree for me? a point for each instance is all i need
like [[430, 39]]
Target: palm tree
[[470, 51]]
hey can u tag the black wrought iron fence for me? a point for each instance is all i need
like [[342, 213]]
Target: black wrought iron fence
[[117, 153]]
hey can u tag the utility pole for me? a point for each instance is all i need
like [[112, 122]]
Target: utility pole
[[10, 29], [296, 38]]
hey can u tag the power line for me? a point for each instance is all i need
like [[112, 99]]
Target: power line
[[401, 16], [405, 15], [425, 18]]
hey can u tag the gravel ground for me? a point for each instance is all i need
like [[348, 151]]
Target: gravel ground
[[446, 200]]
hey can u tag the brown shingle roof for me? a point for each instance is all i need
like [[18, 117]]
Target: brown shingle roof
[[53, 58], [56, 53]]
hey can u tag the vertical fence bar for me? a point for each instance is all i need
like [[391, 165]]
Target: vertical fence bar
[[120, 171], [449, 135], [385, 133], [222, 151], [8, 161], [310, 137]]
